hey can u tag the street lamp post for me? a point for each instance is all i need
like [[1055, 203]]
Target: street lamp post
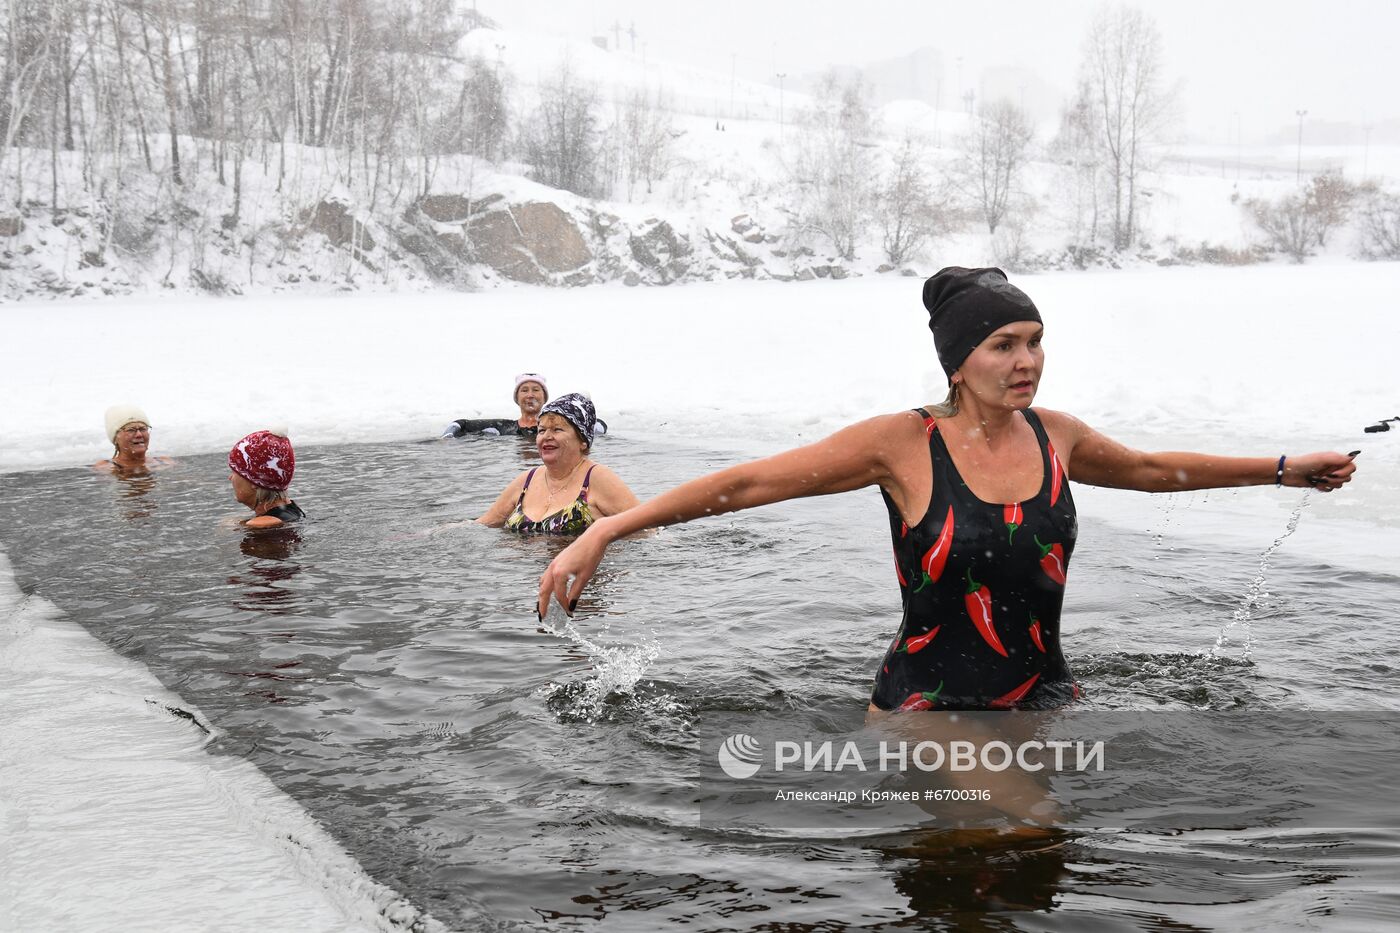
[[733, 63], [1301, 114], [1239, 143], [937, 103], [781, 76], [1366, 153]]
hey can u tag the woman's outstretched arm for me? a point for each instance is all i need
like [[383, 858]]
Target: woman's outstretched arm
[[1099, 460], [852, 458]]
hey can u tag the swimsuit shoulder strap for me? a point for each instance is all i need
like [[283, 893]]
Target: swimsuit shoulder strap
[[1055, 474], [583, 493], [1034, 421], [528, 476], [930, 422]]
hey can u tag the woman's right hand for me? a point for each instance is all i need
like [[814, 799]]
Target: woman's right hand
[[577, 562]]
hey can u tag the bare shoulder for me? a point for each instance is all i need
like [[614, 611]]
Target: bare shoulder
[[103, 466], [1065, 430], [604, 473], [607, 480], [908, 422], [610, 494], [1059, 419], [263, 521]]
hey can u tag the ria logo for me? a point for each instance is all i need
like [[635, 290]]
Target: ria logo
[[740, 756]]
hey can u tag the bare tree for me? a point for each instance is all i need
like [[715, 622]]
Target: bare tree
[[911, 212], [1329, 197], [560, 139], [1378, 225], [641, 136], [831, 164], [1296, 223], [1122, 69], [482, 115], [1077, 152], [993, 154], [1287, 223], [29, 62]]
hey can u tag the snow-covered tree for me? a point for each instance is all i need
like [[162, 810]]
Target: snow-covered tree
[[1122, 69], [831, 164], [1378, 225], [911, 211], [640, 140], [560, 140], [1077, 153], [992, 155]]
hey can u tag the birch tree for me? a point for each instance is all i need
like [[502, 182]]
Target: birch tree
[[1122, 70], [994, 154]]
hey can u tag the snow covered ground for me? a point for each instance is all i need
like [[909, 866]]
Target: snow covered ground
[[1277, 352], [115, 819]]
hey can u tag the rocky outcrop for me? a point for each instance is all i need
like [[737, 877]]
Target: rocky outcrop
[[454, 208], [334, 220], [551, 236], [545, 243], [663, 254], [536, 242], [443, 239]]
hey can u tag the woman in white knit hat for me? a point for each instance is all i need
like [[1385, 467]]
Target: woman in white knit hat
[[129, 430], [529, 396]]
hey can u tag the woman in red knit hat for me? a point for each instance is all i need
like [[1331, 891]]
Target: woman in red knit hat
[[262, 465]]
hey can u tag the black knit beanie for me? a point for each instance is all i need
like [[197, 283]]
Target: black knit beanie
[[966, 305]]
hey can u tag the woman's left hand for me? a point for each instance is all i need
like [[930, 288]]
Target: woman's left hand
[[1321, 471]]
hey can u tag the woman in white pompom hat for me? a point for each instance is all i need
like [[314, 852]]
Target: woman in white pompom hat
[[129, 430], [529, 396]]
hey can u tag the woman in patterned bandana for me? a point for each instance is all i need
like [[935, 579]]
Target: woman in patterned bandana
[[570, 491], [980, 513], [261, 466]]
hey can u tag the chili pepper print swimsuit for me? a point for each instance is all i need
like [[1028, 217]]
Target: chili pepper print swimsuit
[[982, 585], [574, 519]]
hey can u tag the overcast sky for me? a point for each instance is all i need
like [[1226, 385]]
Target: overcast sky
[[1264, 60]]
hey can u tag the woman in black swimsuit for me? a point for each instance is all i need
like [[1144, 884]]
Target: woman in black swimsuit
[[981, 516]]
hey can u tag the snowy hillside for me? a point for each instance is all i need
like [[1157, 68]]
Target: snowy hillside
[[691, 175]]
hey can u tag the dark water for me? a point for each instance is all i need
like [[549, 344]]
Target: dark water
[[503, 772]]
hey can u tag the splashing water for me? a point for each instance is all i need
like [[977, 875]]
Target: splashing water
[[616, 670], [1244, 613], [1169, 507]]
